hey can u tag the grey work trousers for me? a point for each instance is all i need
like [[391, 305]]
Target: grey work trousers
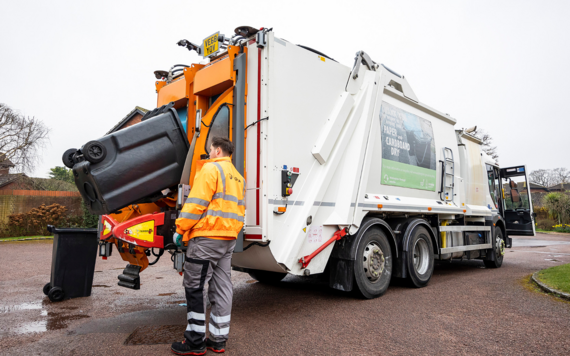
[[208, 261]]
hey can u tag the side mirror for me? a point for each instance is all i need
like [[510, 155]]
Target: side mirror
[[198, 123], [534, 215]]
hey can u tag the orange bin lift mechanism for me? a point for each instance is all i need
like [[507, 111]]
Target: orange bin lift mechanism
[[199, 83], [140, 231]]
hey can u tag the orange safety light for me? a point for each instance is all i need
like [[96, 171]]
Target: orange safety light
[[282, 209], [379, 206], [464, 210], [429, 209]]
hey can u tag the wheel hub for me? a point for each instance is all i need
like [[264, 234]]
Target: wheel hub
[[373, 261], [421, 256], [500, 246], [95, 151]]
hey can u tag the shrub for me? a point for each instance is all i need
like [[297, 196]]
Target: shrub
[[35, 221], [545, 224], [562, 228], [558, 205]]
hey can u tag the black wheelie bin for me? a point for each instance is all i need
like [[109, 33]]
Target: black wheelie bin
[[133, 165], [72, 263]]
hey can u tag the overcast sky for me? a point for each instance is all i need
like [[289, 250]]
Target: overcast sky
[[81, 66]]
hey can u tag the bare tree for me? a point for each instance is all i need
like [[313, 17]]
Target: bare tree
[[550, 177], [561, 175], [20, 138], [488, 146], [541, 177]]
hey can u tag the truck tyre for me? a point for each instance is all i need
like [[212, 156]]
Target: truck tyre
[[498, 251], [267, 277], [94, 151], [419, 258], [373, 264]]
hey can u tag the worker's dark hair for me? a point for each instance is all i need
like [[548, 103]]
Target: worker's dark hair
[[226, 145]]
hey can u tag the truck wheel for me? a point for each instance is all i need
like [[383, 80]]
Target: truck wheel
[[266, 276], [94, 151], [46, 289], [498, 251], [67, 157], [56, 294], [373, 264], [419, 258]]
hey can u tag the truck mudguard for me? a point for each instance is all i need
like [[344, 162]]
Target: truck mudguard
[[341, 262], [405, 227]]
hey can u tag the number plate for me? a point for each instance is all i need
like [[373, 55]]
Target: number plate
[[210, 45]]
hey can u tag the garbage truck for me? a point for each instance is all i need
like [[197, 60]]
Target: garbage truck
[[347, 172]]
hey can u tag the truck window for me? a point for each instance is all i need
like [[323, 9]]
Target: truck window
[[493, 185], [220, 126], [515, 193]]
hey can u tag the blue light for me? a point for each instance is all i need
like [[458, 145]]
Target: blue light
[[284, 166]]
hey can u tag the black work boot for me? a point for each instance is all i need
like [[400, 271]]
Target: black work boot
[[218, 347], [185, 348]]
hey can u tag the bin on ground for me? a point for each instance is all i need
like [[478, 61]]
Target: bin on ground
[[72, 263]]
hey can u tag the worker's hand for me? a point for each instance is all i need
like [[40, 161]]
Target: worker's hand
[[177, 239]]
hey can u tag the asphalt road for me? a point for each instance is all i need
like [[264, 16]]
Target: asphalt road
[[465, 309]]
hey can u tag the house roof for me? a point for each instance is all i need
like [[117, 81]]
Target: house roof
[[561, 186], [10, 178], [5, 162], [136, 110]]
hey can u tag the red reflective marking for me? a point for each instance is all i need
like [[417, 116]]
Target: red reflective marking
[[252, 237], [258, 135]]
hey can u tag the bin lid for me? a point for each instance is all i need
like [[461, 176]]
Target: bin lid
[[58, 230]]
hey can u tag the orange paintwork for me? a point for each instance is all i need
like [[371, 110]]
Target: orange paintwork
[[172, 92], [214, 79], [159, 85]]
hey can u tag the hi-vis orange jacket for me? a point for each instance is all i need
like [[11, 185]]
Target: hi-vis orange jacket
[[215, 207]]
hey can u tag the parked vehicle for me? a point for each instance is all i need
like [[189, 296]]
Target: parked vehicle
[[345, 169]]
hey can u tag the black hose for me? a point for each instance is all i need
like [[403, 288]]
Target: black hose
[[155, 261], [258, 244]]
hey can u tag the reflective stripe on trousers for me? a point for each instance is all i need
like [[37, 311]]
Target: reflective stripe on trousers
[[208, 261]]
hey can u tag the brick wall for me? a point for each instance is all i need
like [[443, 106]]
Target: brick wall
[[134, 120]]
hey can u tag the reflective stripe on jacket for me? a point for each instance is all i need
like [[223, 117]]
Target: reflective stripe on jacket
[[215, 207]]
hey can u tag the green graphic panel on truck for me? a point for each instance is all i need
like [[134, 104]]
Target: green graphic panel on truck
[[408, 149]]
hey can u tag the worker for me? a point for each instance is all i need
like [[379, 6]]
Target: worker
[[210, 221]]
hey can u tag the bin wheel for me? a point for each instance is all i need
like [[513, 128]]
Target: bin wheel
[[67, 158], [94, 151], [47, 287], [56, 294]]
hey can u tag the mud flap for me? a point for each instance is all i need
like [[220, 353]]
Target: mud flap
[[341, 274]]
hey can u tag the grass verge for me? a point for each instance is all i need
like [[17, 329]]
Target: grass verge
[[20, 238], [556, 277]]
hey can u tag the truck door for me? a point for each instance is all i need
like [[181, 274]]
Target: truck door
[[517, 201]]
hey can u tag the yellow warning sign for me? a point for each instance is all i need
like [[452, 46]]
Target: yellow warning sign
[[107, 227], [210, 45], [143, 231]]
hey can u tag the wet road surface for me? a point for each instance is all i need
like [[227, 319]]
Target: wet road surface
[[466, 309]]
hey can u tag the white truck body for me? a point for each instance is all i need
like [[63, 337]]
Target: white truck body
[[363, 144]]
